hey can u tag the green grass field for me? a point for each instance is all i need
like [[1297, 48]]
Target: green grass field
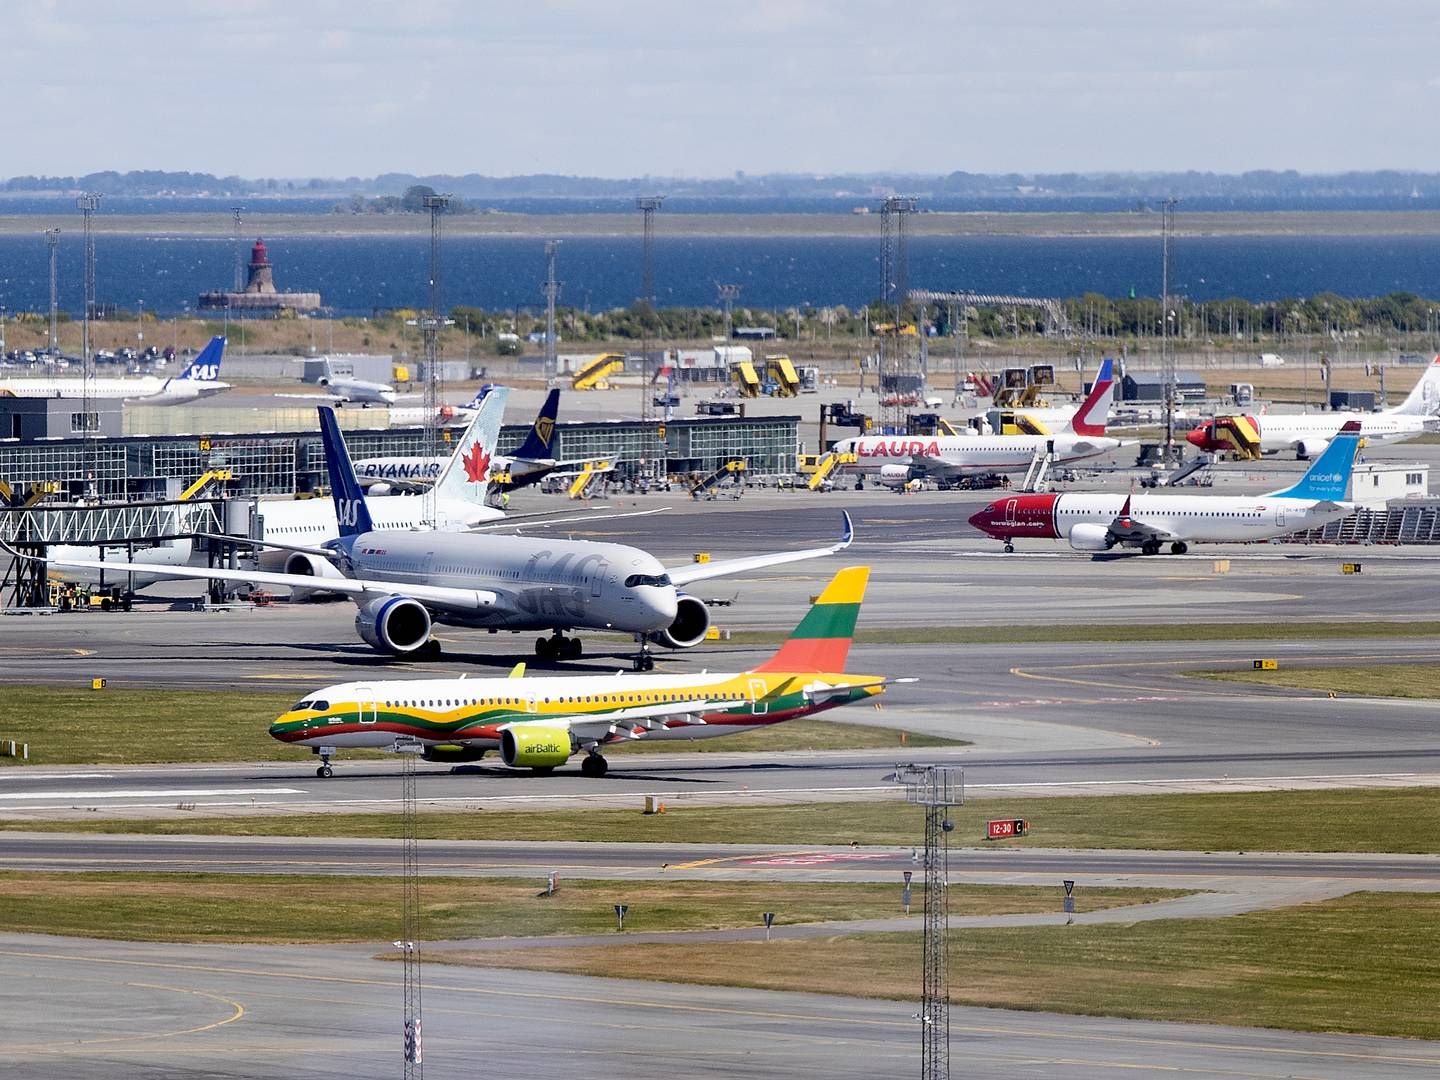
[[126, 727], [1375, 680], [286, 908], [1367, 963], [1398, 820]]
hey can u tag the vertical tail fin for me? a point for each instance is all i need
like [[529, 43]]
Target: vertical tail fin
[[466, 477], [351, 513], [1424, 397], [1328, 477], [206, 366], [822, 640], [536, 446], [1094, 411]]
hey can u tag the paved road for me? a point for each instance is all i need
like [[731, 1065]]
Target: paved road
[[90, 1009]]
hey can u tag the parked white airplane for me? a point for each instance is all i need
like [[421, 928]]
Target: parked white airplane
[[896, 459], [1100, 521], [200, 379], [345, 390], [403, 582], [1308, 434]]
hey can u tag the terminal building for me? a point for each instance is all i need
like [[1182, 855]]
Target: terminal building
[[285, 462]]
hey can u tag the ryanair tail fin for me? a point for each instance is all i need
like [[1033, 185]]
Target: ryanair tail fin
[[206, 365], [822, 640], [466, 477], [351, 513], [536, 446], [1094, 411], [1328, 478]]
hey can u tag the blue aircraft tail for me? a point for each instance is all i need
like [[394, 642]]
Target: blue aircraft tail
[[351, 513], [536, 446], [206, 366], [1329, 476]]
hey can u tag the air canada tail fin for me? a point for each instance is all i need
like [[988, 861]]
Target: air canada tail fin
[[822, 640], [351, 513], [536, 446], [1328, 477], [206, 365], [1094, 411], [466, 477], [1424, 397]]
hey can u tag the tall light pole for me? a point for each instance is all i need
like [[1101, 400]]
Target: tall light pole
[[52, 242], [647, 205], [551, 290], [87, 205], [430, 326], [1167, 354]]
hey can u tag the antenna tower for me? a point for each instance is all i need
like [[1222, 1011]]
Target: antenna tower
[[235, 226], [87, 205], [409, 749], [430, 326], [551, 290], [1167, 348], [728, 295], [52, 242], [647, 205], [894, 284]]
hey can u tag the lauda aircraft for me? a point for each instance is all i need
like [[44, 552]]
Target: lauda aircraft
[[896, 459], [1101, 521], [541, 723]]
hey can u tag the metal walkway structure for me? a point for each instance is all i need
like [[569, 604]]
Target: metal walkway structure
[[1054, 309], [109, 524]]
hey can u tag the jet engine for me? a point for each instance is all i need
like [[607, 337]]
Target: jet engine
[[393, 624], [1091, 538], [1310, 448], [452, 753], [530, 746], [314, 566], [894, 476], [692, 619]]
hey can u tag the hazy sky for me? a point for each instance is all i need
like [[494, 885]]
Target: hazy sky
[[620, 88]]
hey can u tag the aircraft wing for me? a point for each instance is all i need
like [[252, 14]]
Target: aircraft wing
[[702, 571], [634, 723], [430, 595], [1129, 529], [935, 466]]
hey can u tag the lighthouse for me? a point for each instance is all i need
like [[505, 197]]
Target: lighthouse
[[260, 295], [261, 279]]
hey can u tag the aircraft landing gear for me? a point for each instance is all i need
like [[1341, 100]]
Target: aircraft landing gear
[[1150, 547], [558, 647], [326, 753], [643, 660], [1179, 547], [594, 764], [1009, 548]]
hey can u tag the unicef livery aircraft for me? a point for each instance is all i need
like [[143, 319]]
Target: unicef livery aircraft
[[540, 723], [896, 459], [1100, 521]]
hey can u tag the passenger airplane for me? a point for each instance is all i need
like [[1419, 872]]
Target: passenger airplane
[[531, 462], [1098, 522], [540, 723], [345, 390], [897, 459], [291, 533], [403, 582], [200, 379], [1307, 434]]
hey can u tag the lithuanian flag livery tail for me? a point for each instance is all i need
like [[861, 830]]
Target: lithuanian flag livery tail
[[822, 640]]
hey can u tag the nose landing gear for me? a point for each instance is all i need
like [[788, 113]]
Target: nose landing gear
[[325, 753], [643, 660]]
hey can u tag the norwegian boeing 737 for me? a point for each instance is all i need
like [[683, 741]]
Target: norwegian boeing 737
[[1101, 521]]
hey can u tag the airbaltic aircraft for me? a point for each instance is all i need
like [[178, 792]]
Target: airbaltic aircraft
[[1099, 522], [1308, 434], [200, 379], [899, 458], [405, 581], [540, 723]]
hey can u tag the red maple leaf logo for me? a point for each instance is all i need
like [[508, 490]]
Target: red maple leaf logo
[[477, 464]]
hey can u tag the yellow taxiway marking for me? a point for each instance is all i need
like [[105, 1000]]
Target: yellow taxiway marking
[[709, 1010], [237, 1011]]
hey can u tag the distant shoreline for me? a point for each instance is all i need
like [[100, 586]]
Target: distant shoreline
[[935, 224]]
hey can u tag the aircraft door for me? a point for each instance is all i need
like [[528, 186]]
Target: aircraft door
[[597, 579], [1280, 517], [758, 705], [365, 704], [1012, 508]]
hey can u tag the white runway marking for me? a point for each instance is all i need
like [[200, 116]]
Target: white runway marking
[[21, 774], [146, 793]]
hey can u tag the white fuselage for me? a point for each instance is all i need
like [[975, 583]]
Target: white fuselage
[[955, 454], [312, 522], [424, 470], [359, 392], [1200, 518], [1280, 432]]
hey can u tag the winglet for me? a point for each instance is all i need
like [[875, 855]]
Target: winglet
[[821, 643], [847, 533], [518, 671], [351, 513]]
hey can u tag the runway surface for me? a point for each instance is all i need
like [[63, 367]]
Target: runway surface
[[90, 1009]]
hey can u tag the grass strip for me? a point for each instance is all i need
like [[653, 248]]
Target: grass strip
[[277, 908], [1375, 680], [1386, 820], [121, 726], [1366, 963]]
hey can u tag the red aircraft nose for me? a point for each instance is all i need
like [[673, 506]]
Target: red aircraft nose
[[1200, 437], [985, 518]]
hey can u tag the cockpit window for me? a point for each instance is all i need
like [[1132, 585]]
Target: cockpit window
[[300, 706], [636, 580], [320, 706]]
